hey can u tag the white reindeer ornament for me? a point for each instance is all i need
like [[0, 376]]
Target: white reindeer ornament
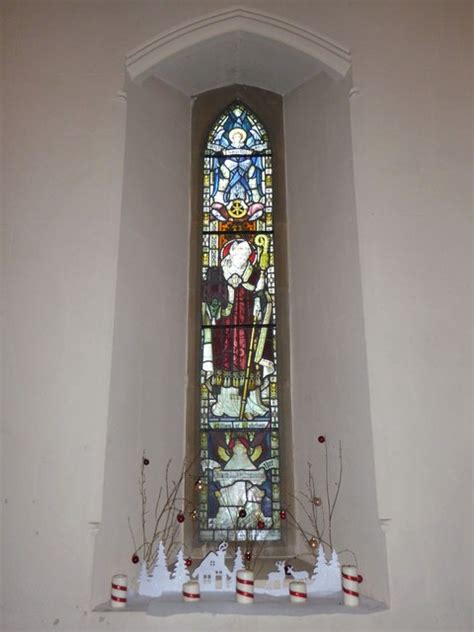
[[276, 578]]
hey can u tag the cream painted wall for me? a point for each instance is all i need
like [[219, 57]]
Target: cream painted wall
[[329, 377], [64, 139], [149, 352]]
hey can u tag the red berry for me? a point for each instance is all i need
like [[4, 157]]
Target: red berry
[[248, 556], [321, 438], [180, 517], [242, 513], [360, 579], [260, 524], [146, 462], [135, 558], [188, 561], [283, 514]]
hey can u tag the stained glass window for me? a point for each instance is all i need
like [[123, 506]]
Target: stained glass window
[[239, 439]]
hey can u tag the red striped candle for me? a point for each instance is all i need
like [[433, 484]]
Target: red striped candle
[[298, 592], [244, 586], [191, 591], [118, 593], [350, 585]]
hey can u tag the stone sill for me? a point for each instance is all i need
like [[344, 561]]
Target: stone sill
[[224, 605]]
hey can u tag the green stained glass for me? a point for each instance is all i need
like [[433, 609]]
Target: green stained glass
[[238, 386]]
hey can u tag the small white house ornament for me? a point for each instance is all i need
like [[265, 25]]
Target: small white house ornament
[[212, 573]]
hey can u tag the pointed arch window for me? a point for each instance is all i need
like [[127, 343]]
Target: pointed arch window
[[239, 414]]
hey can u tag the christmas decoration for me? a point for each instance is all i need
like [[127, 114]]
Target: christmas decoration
[[298, 593], [158, 525], [321, 439], [180, 573], [180, 517], [118, 592], [326, 576], [313, 543], [242, 513], [283, 514], [276, 578], [238, 562], [248, 555], [244, 589], [194, 514], [191, 591], [199, 485], [212, 573], [154, 584], [317, 501], [261, 524], [188, 561], [350, 585], [298, 575]]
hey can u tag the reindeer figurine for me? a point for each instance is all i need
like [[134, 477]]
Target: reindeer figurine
[[276, 577], [300, 575]]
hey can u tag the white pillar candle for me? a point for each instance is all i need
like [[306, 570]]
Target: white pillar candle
[[298, 592], [244, 586], [191, 591], [118, 593], [350, 585]]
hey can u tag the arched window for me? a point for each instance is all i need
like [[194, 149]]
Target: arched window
[[239, 413]]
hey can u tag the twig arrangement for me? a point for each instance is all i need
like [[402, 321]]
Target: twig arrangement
[[316, 528], [164, 522]]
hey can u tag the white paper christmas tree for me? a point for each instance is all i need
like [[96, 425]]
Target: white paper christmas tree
[[326, 577], [144, 582], [160, 576], [334, 582], [180, 573]]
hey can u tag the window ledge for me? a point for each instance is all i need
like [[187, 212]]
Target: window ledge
[[171, 604]]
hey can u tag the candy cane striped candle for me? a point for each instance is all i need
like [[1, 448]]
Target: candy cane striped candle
[[191, 591], [244, 586], [350, 585], [298, 592], [118, 593]]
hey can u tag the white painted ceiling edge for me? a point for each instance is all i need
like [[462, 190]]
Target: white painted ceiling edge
[[237, 45]]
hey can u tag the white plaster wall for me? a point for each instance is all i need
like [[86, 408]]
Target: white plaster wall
[[64, 139], [149, 353], [330, 394]]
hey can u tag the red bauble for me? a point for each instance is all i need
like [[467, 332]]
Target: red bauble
[[248, 556], [180, 517], [242, 513], [135, 558], [283, 514], [261, 524], [321, 438], [188, 561], [360, 579], [146, 462]]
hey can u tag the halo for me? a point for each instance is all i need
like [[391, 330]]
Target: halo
[[237, 131]]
